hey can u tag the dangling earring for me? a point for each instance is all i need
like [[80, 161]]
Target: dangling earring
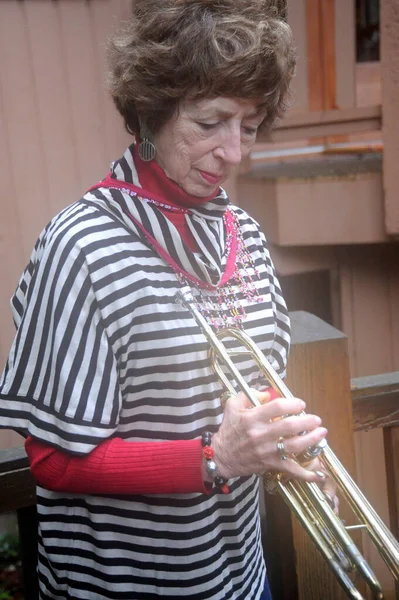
[[146, 147]]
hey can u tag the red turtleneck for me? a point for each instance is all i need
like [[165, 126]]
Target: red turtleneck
[[153, 179]]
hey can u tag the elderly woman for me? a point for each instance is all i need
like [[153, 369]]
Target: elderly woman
[[147, 488]]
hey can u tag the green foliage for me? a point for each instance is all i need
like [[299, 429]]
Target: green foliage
[[9, 549], [10, 576]]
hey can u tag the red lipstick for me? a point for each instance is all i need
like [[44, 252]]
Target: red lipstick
[[211, 177]]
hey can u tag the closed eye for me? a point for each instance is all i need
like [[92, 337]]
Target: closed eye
[[250, 130], [207, 126]]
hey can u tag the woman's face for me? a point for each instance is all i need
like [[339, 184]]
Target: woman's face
[[205, 140]]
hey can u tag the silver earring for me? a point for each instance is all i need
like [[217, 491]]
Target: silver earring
[[146, 147]]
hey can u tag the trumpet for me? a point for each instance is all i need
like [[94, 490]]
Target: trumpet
[[313, 510]]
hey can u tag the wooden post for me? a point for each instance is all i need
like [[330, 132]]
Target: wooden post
[[390, 89], [321, 54], [318, 372], [391, 444], [27, 525], [18, 492]]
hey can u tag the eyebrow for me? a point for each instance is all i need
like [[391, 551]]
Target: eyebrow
[[224, 114]]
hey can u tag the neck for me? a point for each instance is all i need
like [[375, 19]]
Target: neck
[[154, 180]]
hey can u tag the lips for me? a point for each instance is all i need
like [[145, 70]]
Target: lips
[[212, 178]]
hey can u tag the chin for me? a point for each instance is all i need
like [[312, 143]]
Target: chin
[[202, 191]]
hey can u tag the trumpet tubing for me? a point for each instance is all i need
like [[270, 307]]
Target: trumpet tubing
[[306, 500]]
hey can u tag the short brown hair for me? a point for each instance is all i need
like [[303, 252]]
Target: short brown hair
[[178, 49]]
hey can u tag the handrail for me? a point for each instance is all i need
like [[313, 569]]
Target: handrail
[[375, 401], [17, 485]]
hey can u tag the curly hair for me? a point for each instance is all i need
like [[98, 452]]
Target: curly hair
[[173, 50]]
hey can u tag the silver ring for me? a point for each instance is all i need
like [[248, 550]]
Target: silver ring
[[281, 449]]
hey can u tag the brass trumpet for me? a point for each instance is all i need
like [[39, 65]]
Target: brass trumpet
[[306, 500]]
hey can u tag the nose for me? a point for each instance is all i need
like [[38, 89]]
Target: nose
[[229, 148]]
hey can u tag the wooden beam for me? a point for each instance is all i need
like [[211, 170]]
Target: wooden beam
[[375, 401], [12, 459], [325, 122]]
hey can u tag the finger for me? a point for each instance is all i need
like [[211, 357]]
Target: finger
[[297, 444], [315, 465], [243, 402], [294, 425], [280, 407], [333, 502], [336, 503], [329, 488], [293, 470]]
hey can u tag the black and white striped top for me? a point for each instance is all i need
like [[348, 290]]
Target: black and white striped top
[[102, 350]]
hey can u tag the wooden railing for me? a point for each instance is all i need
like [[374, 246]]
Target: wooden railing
[[18, 493], [375, 402], [319, 372]]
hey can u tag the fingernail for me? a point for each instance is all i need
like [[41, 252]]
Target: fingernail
[[320, 474], [303, 404], [318, 420]]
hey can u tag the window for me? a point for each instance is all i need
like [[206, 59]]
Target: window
[[367, 30]]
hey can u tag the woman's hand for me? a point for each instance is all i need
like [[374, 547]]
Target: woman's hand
[[246, 442]]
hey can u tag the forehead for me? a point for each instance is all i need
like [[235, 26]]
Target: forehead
[[222, 107]]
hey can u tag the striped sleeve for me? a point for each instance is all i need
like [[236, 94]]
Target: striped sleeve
[[60, 383]]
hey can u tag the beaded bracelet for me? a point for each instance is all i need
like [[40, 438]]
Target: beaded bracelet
[[211, 467]]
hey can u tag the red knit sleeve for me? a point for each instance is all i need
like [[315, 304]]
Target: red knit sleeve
[[117, 466], [120, 467]]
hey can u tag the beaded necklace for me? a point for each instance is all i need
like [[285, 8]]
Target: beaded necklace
[[223, 305]]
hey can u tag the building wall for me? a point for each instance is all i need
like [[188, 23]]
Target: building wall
[[58, 127]]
